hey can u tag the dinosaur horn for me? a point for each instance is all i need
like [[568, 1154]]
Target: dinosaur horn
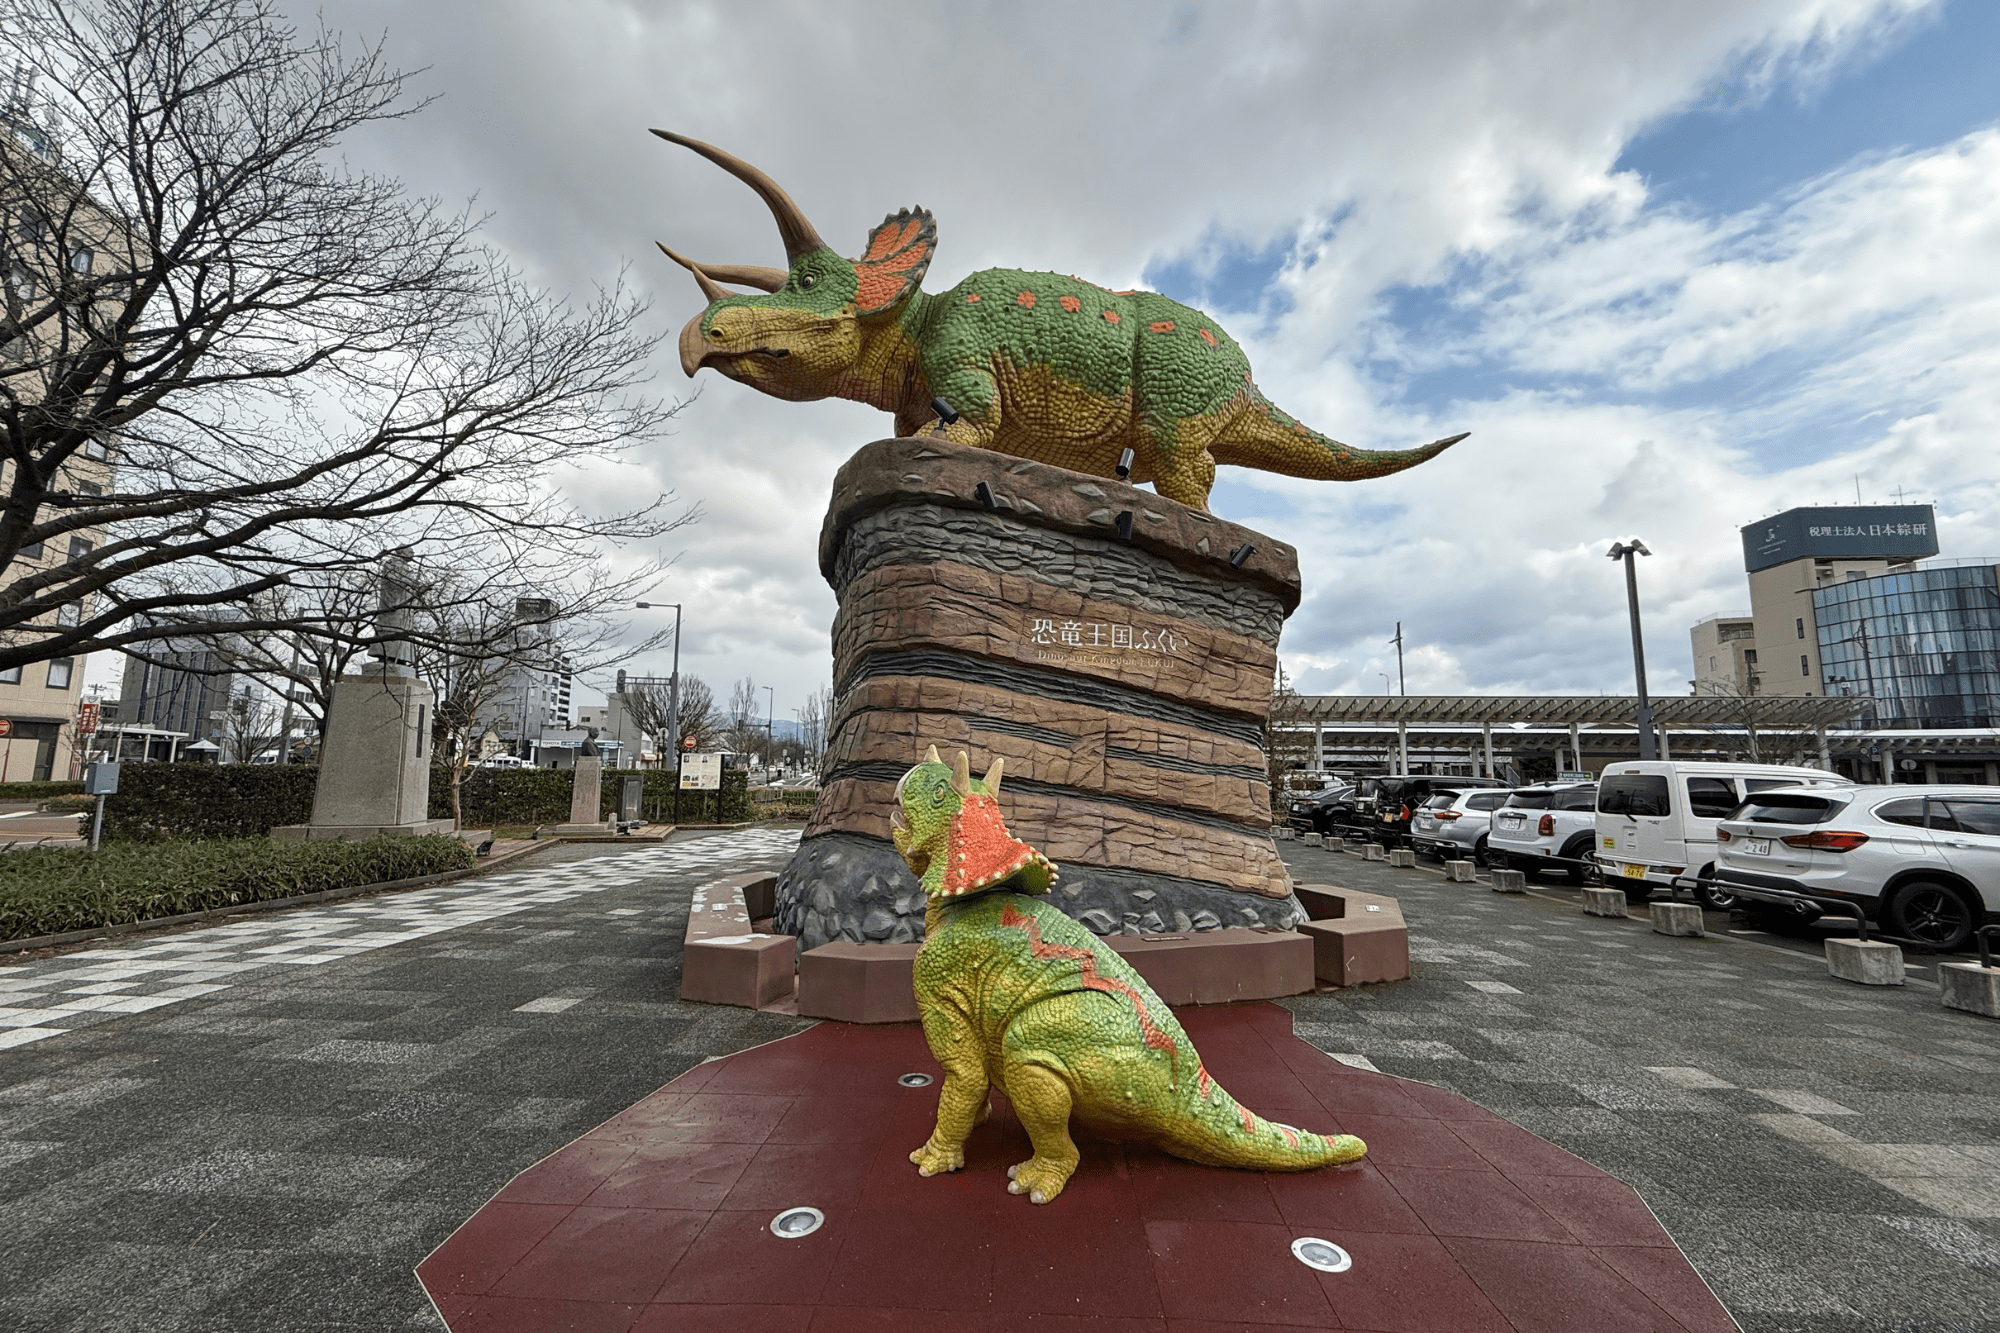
[[992, 778], [708, 286], [743, 275], [798, 233], [961, 776], [931, 756]]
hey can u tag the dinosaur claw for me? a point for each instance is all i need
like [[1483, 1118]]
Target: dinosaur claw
[[1011, 1170], [1038, 1197]]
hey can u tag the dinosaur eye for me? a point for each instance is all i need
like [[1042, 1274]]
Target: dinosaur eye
[[938, 795], [806, 280]]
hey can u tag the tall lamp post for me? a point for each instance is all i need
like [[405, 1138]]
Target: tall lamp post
[[673, 691], [1648, 747], [770, 721]]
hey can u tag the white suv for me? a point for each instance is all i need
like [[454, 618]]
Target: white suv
[[1453, 825], [1924, 861], [1549, 826]]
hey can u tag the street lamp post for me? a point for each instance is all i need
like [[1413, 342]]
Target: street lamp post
[[1648, 748], [770, 722]]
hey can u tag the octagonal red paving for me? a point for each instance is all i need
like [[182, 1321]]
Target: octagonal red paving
[[1458, 1221]]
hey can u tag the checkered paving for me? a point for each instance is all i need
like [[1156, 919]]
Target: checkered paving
[[46, 999]]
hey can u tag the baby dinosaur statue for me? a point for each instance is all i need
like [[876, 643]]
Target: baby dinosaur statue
[[1037, 365], [1013, 992]]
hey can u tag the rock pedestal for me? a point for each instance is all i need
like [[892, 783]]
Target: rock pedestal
[[1115, 648], [375, 767], [586, 800]]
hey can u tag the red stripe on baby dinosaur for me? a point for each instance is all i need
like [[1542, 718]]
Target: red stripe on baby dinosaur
[[1087, 963]]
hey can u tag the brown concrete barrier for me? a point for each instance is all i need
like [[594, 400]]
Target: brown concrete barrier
[[724, 958], [1356, 937]]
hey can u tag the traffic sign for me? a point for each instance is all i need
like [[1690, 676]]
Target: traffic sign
[[687, 742], [6, 726]]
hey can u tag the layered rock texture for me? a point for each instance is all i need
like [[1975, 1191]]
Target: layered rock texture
[[1114, 647]]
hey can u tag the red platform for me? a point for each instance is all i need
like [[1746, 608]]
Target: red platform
[[659, 1219]]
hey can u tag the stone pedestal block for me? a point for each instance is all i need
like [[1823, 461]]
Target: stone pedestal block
[[1460, 872], [1604, 902], [1970, 987], [1402, 857], [1374, 851], [1115, 648], [586, 799], [375, 766], [1874, 963], [1670, 918]]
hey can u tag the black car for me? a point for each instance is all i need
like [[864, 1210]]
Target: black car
[[1317, 813], [1397, 799]]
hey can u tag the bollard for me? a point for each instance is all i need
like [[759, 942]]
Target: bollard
[[1674, 918], [1969, 987], [1311, 839], [1285, 832], [1459, 872], [1334, 844], [1374, 851], [1865, 962], [1510, 881], [1604, 902], [1402, 858]]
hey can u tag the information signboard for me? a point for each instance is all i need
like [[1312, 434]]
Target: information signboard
[[86, 719], [702, 772]]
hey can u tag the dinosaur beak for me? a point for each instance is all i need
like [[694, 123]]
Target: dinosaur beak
[[693, 348]]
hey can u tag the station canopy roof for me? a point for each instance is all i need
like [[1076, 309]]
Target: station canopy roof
[[1764, 712]]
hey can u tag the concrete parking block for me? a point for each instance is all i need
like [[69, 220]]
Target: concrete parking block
[[1310, 839], [1334, 844], [1459, 872], [1970, 988], [1871, 964], [1374, 851], [1669, 918], [1604, 902], [1402, 858], [1509, 881]]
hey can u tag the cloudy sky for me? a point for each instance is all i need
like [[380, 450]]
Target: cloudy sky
[[1676, 265]]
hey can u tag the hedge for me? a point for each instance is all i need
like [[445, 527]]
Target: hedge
[[49, 891], [158, 802], [496, 796], [37, 791]]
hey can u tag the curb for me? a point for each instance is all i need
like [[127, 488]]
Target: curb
[[265, 905]]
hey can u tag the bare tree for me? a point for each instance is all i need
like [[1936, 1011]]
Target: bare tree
[[743, 728], [285, 367], [1286, 747], [814, 715], [249, 722]]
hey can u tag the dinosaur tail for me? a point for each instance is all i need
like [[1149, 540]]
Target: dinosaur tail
[[1263, 437], [1216, 1131]]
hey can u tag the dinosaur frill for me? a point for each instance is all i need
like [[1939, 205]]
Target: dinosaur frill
[[980, 853]]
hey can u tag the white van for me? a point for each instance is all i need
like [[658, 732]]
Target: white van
[[1656, 819]]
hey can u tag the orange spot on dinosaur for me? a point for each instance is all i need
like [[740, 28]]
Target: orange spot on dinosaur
[[1206, 336], [1249, 1121], [1071, 304], [1149, 1031], [1111, 317], [1026, 300], [1161, 326], [973, 299]]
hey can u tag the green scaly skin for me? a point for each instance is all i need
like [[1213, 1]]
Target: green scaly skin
[[1015, 994], [1038, 365]]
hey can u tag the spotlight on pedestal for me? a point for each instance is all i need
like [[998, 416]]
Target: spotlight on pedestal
[[1125, 526], [1124, 468], [984, 494], [945, 415], [1240, 554]]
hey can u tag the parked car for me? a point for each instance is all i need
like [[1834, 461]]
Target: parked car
[[1924, 862], [1315, 813], [1550, 826], [1395, 801], [1656, 819], [1452, 825]]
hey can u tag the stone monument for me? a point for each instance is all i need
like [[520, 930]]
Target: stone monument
[[1115, 648], [375, 765], [586, 798]]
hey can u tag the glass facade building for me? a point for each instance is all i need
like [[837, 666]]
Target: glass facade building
[[1925, 645]]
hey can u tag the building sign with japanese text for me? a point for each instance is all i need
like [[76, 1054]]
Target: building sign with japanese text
[[1845, 532]]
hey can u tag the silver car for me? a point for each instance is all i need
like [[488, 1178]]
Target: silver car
[[1923, 861], [1453, 825]]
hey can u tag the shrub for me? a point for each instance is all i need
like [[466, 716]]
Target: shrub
[[47, 892], [37, 791], [156, 802]]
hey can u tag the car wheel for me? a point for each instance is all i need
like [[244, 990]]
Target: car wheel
[[1932, 914], [1579, 861], [1481, 856], [1713, 895]]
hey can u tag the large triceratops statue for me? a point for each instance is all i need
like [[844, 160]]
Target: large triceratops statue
[[1033, 364]]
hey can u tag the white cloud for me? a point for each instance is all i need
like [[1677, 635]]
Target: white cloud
[[1387, 144]]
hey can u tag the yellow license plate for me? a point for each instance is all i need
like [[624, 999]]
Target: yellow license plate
[[1633, 872]]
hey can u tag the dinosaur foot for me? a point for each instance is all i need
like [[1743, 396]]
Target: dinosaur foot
[[933, 1159], [1040, 1178]]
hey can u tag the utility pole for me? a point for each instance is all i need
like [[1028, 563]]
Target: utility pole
[[770, 721], [1648, 749], [1401, 686]]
